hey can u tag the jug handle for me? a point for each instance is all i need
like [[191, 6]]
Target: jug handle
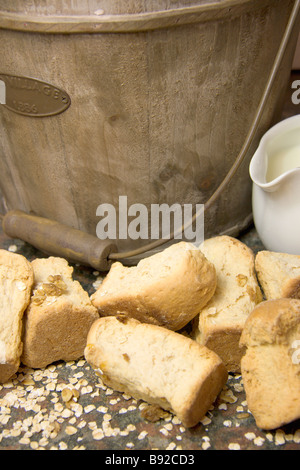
[[30, 228]]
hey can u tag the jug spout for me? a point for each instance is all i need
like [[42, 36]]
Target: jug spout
[[278, 155]]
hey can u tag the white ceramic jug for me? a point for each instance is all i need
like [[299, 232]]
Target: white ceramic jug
[[275, 172]]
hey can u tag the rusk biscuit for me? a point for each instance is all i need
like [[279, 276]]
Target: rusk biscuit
[[166, 289], [16, 281], [278, 274], [221, 321], [271, 364], [59, 316], [157, 365]]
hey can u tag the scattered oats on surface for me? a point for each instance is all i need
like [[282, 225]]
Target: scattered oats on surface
[[222, 406], [102, 409], [234, 446], [259, 441], [66, 413], [126, 397], [67, 394], [227, 396], [69, 363], [168, 426], [98, 434], [205, 445], [153, 413], [73, 380], [34, 445], [24, 440], [86, 390], [175, 420], [98, 282], [70, 430], [77, 409], [28, 381], [114, 401], [205, 421], [58, 407], [13, 248], [79, 375], [89, 408], [63, 446], [297, 436], [122, 411], [279, 437], [171, 446], [107, 429], [131, 427], [227, 423], [82, 382], [238, 387], [131, 408], [51, 386], [8, 384], [243, 415], [92, 425], [81, 424]]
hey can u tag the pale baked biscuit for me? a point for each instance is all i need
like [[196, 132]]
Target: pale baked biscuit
[[166, 289], [221, 321], [157, 365], [278, 274], [16, 280], [59, 316], [271, 364]]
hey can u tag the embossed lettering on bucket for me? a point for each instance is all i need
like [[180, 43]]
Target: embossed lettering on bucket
[[32, 97]]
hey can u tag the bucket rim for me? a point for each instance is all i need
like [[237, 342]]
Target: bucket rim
[[126, 23]]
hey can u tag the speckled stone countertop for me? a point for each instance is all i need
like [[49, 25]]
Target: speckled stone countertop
[[35, 412]]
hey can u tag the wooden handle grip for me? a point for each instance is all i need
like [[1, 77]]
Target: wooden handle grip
[[56, 239]]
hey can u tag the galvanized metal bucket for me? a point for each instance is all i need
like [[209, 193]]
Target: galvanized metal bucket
[[111, 98]]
